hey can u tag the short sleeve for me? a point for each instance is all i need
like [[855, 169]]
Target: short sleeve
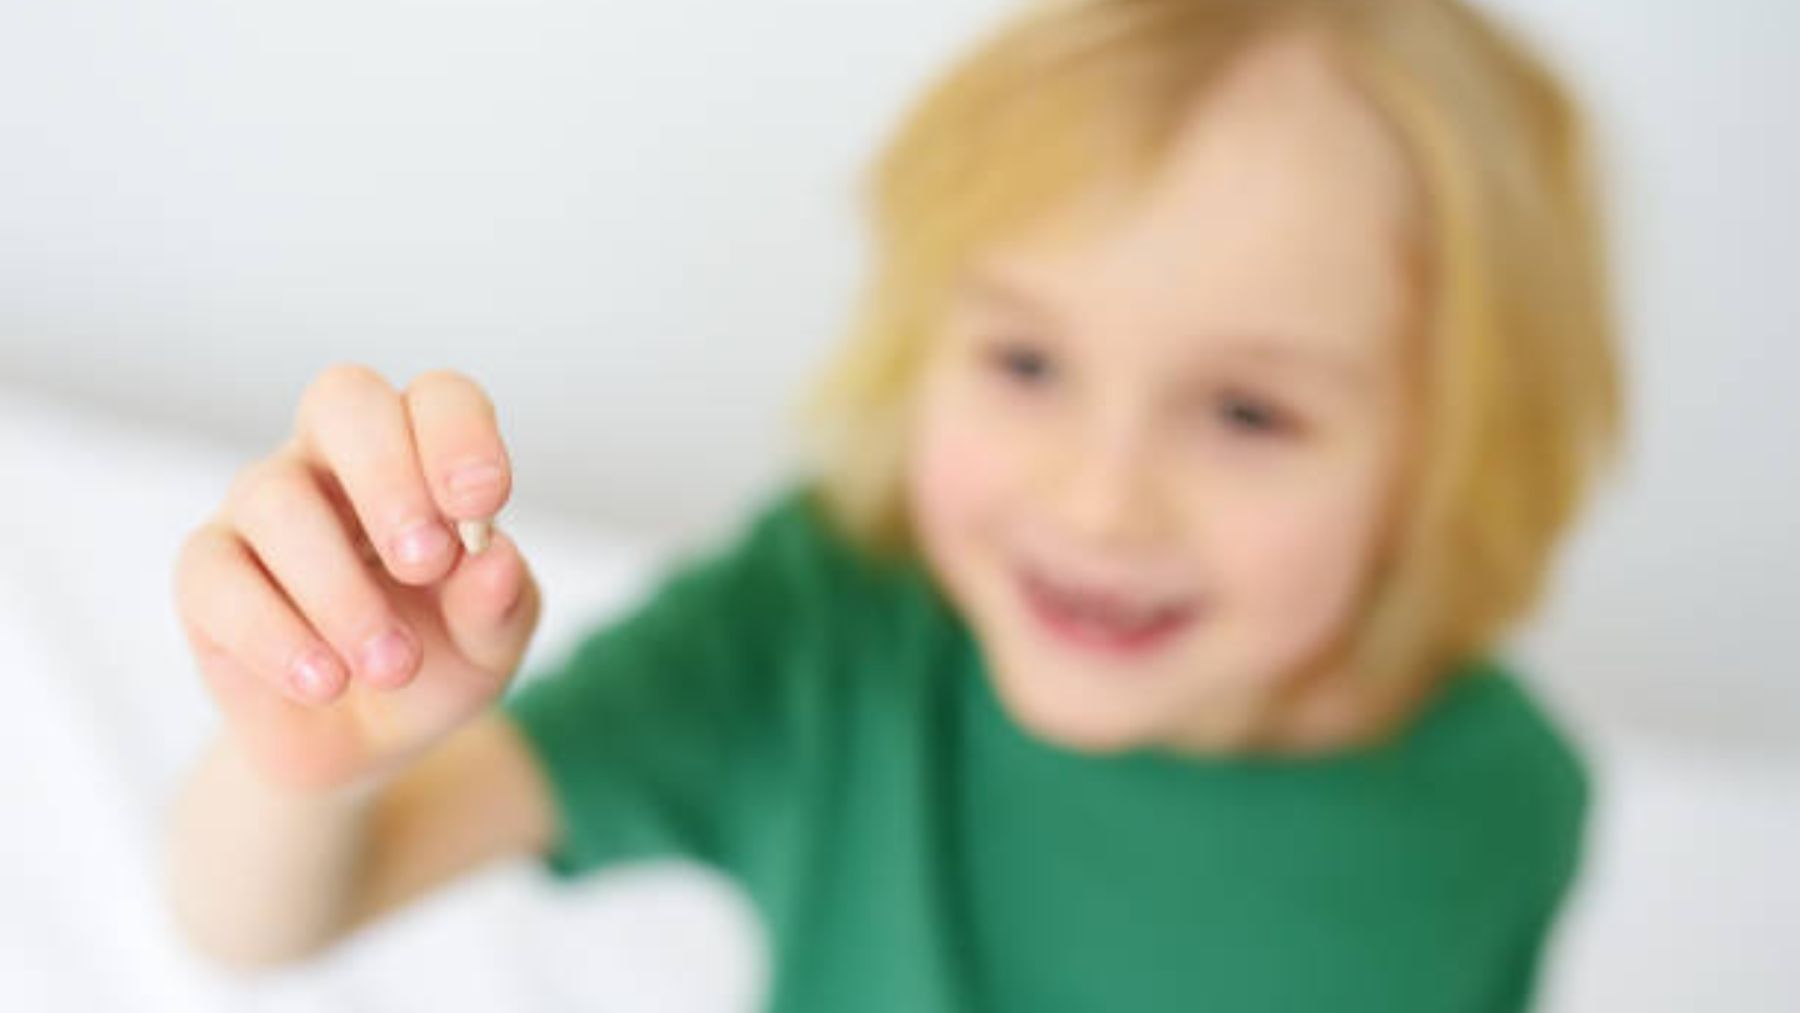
[[661, 733]]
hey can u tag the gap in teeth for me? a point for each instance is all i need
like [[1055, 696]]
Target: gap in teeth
[[1096, 610], [1093, 609]]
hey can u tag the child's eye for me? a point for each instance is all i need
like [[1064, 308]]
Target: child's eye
[[1251, 416], [1021, 362]]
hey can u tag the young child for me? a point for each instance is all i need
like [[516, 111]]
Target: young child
[[1229, 371]]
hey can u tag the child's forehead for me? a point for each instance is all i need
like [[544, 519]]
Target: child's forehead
[[1283, 201], [1284, 148], [1287, 207]]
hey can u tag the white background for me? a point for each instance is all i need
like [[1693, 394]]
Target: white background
[[636, 224]]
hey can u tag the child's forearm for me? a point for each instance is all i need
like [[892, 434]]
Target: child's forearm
[[262, 875]]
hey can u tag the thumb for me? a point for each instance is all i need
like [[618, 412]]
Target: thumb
[[490, 605]]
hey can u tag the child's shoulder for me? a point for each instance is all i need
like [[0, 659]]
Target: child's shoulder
[[1491, 733], [783, 538], [792, 525], [790, 557], [1492, 705]]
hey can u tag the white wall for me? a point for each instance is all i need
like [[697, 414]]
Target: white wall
[[634, 222], [1680, 603]]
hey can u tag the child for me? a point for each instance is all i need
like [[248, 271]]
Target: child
[[1229, 371]]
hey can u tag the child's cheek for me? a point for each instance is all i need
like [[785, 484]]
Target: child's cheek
[[965, 462], [1293, 568], [958, 472]]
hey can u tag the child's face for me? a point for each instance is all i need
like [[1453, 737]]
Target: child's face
[[1154, 462]]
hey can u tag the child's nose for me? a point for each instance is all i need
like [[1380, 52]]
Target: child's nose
[[1108, 494]]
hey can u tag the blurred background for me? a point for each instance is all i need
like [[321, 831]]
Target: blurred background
[[636, 225]]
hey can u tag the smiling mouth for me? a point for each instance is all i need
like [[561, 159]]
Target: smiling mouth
[[1105, 621]]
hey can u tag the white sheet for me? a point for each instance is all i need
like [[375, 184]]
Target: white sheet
[[1691, 900]]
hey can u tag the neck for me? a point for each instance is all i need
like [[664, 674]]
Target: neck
[[1323, 707]]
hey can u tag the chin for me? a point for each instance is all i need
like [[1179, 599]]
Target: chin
[[1068, 721]]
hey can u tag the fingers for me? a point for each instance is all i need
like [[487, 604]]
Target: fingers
[[458, 440], [409, 465], [292, 528], [352, 425], [225, 596], [491, 605], [286, 597]]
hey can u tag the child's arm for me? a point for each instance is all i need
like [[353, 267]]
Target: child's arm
[[263, 875], [355, 653]]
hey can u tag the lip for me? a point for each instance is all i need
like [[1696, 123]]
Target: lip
[[1089, 637]]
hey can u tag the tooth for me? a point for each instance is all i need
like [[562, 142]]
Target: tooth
[[474, 534]]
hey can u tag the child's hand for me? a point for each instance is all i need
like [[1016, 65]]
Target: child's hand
[[335, 618]]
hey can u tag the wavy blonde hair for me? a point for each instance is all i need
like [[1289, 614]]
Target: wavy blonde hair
[[1521, 400]]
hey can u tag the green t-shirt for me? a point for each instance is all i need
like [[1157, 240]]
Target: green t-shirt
[[817, 725]]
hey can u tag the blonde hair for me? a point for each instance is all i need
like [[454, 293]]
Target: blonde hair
[[1521, 399]]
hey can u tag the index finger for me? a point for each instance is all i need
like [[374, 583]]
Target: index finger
[[353, 426], [458, 438]]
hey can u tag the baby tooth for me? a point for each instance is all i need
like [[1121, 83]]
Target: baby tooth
[[474, 535]]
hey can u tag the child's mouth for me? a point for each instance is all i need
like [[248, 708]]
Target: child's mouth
[[1103, 622]]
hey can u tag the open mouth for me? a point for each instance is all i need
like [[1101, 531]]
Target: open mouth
[[1105, 621]]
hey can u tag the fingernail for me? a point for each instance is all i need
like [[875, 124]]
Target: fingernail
[[471, 477], [315, 677], [422, 542], [474, 535], [385, 656]]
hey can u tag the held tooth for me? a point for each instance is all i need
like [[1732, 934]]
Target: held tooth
[[474, 535]]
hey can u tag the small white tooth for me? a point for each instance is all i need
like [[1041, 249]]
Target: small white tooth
[[474, 535]]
